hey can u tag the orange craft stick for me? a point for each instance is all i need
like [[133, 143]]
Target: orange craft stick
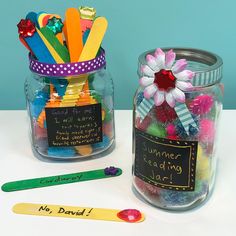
[[74, 36]]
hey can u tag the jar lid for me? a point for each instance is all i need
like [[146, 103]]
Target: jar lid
[[208, 67], [68, 69]]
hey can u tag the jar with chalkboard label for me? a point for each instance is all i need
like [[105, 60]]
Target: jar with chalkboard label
[[71, 109], [176, 113]]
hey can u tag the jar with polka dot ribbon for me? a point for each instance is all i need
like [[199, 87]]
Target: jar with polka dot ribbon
[[176, 114], [71, 109]]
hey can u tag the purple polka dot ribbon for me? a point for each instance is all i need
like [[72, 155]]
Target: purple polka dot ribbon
[[68, 69]]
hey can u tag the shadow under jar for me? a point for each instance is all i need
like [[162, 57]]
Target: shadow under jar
[[71, 109], [174, 169]]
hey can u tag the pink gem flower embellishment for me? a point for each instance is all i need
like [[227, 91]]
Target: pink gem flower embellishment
[[165, 79]]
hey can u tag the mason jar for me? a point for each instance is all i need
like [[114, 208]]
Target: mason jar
[[71, 109], [175, 126]]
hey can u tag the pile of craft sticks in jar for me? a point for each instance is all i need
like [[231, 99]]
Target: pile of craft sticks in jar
[[76, 39]]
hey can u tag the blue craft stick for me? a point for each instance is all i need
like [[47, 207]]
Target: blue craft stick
[[85, 36], [33, 16], [39, 49]]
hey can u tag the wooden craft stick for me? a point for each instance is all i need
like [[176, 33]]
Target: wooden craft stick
[[94, 40], [74, 38], [50, 48], [60, 179], [89, 213], [55, 43]]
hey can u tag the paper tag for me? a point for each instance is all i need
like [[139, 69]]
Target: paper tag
[[132, 216], [165, 163], [74, 126], [61, 179]]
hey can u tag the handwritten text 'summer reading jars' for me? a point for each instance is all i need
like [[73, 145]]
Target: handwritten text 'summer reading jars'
[[70, 93], [176, 112]]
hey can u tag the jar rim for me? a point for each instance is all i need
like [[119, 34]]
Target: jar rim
[[208, 75], [67, 69]]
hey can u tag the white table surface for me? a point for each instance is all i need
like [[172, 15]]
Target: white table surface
[[216, 217]]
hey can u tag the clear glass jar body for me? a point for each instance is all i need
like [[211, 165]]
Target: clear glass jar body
[[50, 92], [204, 104]]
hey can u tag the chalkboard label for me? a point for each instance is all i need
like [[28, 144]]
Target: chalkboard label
[[74, 126], [168, 164]]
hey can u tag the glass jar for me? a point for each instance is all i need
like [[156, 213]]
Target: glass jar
[[174, 142], [71, 109]]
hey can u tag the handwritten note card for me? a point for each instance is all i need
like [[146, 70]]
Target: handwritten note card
[[165, 163], [74, 126]]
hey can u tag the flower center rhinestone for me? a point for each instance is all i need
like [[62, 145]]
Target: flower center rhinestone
[[165, 80]]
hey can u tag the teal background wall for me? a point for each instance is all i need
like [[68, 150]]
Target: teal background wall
[[134, 26]]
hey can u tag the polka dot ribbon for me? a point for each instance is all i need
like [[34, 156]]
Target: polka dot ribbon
[[68, 69]]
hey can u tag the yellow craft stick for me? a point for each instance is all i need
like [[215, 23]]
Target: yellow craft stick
[[40, 19], [53, 52], [74, 33], [77, 212], [94, 40]]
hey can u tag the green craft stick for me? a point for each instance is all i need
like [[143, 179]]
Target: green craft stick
[[57, 180], [56, 44]]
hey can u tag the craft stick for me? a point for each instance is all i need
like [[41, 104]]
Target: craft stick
[[25, 44], [60, 179], [33, 17], [45, 19], [89, 213], [55, 43], [40, 18], [59, 35], [74, 34], [39, 48], [52, 51], [94, 40]]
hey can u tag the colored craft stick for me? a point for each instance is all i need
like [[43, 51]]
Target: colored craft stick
[[55, 43], [50, 48], [40, 18], [129, 215], [74, 34], [39, 48], [59, 35], [89, 52], [45, 21], [58, 180], [25, 44], [94, 40], [33, 17]]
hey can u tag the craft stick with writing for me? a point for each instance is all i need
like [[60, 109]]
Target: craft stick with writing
[[129, 215], [61, 179]]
